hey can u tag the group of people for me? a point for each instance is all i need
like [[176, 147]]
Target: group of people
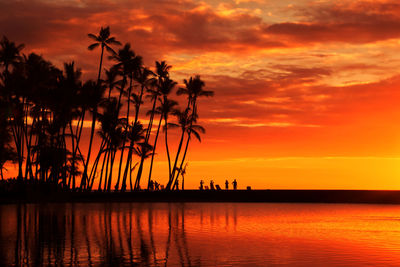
[[154, 186], [212, 187]]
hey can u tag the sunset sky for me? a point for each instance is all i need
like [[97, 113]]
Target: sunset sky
[[306, 92]]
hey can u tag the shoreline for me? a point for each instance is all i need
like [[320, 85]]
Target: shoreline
[[266, 196]]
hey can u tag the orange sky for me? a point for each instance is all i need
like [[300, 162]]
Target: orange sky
[[306, 92]]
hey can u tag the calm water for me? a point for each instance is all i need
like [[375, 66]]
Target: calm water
[[200, 234]]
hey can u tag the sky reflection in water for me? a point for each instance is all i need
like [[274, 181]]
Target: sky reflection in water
[[194, 234]]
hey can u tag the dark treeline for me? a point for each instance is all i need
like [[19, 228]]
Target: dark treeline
[[43, 111]]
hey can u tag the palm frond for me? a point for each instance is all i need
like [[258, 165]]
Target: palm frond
[[93, 46], [92, 36]]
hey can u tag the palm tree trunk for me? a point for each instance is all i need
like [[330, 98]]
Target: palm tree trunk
[[102, 169], [183, 161], [111, 169], [73, 158], [84, 175], [187, 143], [124, 139], [94, 168], [124, 177], [166, 144], [171, 177], [106, 174], [154, 150], [140, 170]]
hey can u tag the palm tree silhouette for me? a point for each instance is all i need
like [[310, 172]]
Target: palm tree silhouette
[[9, 54], [145, 79], [129, 64], [134, 133], [193, 89], [43, 111], [103, 40]]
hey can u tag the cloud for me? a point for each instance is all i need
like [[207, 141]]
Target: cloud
[[358, 22]]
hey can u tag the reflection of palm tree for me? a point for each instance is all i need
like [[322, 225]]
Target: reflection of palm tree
[[104, 40]]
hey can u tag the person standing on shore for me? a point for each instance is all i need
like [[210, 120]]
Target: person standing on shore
[[226, 185], [212, 185], [201, 184], [234, 183]]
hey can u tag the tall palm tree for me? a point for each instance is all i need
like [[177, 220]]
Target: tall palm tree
[[190, 129], [166, 87], [145, 79], [193, 89], [111, 132], [129, 64], [166, 108], [103, 40]]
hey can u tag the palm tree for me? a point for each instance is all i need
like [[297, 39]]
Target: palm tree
[[104, 40], [166, 108], [134, 133], [190, 129], [7, 153], [91, 96], [193, 89], [166, 87], [129, 64], [9, 53], [145, 79], [144, 151], [111, 80], [111, 132]]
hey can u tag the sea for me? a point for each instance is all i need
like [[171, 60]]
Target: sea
[[199, 234]]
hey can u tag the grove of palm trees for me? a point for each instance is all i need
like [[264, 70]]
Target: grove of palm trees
[[89, 135]]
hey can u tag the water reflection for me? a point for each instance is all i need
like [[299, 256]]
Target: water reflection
[[94, 234], [162, 234]]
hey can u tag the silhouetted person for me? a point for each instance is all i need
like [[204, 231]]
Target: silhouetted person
[[212, 185], [234, 184], [226, 185], [201, 184], [157, 186], [151, 185]]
